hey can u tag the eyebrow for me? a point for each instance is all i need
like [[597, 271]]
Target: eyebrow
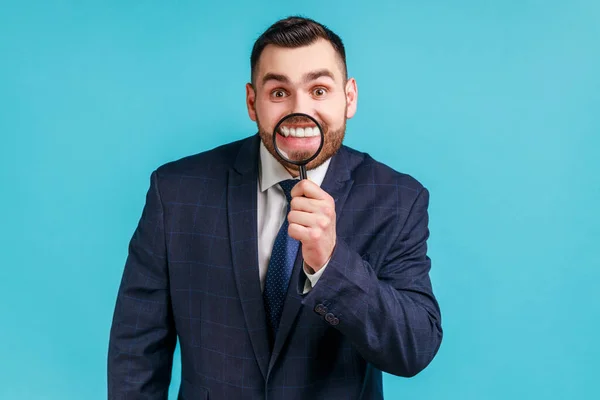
[[314, 75], [310, 76], [269, 76]]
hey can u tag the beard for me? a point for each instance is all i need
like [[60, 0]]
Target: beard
[[332, 141]]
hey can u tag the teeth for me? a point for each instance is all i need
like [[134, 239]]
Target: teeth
[[299, 132]]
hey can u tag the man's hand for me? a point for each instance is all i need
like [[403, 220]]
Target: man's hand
[[312, 222]]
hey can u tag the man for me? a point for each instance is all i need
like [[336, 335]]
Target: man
[[356, 299]]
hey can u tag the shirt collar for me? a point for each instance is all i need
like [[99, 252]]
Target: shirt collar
[[271, 172]]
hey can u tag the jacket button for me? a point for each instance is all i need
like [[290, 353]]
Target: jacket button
[[321, 309], [330, 318], [335, 321]]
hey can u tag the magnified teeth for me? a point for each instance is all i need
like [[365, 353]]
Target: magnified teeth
[[299, 132]]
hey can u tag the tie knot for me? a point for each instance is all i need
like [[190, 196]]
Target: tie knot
[[287, 187]]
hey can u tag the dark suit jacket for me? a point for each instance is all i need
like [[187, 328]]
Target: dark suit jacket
[[192, 274]]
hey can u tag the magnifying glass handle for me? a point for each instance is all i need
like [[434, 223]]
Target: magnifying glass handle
[[303, 172]]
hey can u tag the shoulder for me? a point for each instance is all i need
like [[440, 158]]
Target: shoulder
[[204, 164], [204, 172], [370, 171], [382, 198]]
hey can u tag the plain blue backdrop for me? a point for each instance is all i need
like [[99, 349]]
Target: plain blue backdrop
[[492, 105]]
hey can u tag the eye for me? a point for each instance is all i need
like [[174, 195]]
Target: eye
[[278, 93], [319, 92]]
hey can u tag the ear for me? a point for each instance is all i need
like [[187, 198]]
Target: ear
[[351, 97], [250, 101]]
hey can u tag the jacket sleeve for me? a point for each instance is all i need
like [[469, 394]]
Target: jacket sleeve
[[390, 315], [142, 336]]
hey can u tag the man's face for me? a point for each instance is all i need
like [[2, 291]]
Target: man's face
[[308, 80]]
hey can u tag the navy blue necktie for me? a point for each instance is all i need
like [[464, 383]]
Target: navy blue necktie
[[280, 267]]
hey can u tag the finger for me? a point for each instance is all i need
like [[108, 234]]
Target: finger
[[315, 222], [299, 232], [309, 189], [305, 234], [303, 218], [302, 203]]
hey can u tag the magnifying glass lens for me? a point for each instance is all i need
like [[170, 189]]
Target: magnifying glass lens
[[298, 139]]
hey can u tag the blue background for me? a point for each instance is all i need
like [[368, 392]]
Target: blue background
[[493, 105]]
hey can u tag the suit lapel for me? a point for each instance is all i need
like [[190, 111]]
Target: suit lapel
[[337, 183], [241, 212]]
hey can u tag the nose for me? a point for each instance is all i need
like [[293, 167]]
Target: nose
[[302, 104]]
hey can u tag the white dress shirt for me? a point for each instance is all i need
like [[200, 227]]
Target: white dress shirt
[[272, 209]]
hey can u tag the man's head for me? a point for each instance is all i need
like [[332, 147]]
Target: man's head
[[299, 66]]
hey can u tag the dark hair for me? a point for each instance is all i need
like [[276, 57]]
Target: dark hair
[[294, 32]]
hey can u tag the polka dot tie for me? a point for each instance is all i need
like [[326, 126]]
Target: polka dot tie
[[280, 266]]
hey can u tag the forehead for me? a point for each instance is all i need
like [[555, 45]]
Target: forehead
[[296, 62]]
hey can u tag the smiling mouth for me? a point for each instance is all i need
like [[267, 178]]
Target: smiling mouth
[[299, 131]]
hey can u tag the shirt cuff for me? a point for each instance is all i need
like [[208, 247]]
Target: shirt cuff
[[312, 279]]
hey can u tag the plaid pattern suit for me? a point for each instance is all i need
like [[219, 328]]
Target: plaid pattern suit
[[192, 273]]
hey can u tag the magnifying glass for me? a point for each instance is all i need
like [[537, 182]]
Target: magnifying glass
[[298, 139]]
